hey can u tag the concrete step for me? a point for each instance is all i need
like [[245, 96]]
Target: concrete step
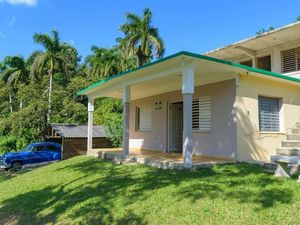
[[291, 143], [297, 125], [288, 151], [293, 137], [294, 131]]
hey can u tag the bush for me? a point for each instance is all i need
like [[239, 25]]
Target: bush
[[8, 144]]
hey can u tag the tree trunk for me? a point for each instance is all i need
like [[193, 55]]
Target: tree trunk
[[49, 97], [21, 104], [10, 102]]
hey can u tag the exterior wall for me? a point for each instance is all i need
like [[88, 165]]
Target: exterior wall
[[220, 141], [253, 145]]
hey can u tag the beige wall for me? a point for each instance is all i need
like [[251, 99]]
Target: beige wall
[[252, 145], [220, 141]]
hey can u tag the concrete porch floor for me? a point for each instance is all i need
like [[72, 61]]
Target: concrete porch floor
[[157, 158]]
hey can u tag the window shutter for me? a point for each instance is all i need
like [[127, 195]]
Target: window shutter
[[201, 113], [290, 60], [264, 63], [268, 114], [145, 118]]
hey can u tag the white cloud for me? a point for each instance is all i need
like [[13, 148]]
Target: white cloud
[[21, 2], [12, 21]]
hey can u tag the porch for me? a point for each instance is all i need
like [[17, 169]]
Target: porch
[[158, 159]]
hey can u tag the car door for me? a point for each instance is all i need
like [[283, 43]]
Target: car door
[[53, 153], [38, 154]]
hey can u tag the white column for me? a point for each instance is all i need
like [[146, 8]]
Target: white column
[[90, 124], [187, 92], [126, 115], [276, 60], [253, 61]]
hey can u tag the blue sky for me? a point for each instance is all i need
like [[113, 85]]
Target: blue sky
[[190, 25]]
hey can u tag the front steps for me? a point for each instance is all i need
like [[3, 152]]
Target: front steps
[[288, 155]]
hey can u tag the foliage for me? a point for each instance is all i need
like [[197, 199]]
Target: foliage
[[297, 19], [141, 38], [91, 191], [263, 30], [42, 88], [109, 112]]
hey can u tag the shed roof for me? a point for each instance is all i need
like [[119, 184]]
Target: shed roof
[[78, 131]]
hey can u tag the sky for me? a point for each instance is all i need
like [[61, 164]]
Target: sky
[[185, 25]]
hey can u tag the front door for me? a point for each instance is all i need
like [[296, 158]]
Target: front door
[[175, 126]]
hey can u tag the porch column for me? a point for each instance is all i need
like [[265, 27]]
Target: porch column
[[187, 92], [90, 124], [126, 110]]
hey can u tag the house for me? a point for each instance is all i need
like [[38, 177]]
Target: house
[[238, 102], [73, 138]]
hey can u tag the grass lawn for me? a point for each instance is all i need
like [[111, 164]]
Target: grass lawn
[[84, 190]]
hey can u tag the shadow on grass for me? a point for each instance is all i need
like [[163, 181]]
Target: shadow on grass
[[101, 188]]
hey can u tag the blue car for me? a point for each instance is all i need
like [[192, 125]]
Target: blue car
[[32, 154]]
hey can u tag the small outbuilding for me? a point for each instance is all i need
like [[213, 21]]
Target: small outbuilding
[[73, 138]]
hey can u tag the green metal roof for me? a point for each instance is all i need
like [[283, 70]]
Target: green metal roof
[[197, 56]]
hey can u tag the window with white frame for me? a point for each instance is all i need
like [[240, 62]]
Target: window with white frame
[[201, 114], [290, 60], [269, 114], [143, 118]]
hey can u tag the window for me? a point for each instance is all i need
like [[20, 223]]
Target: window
[[268, 114], [143, 118], [247, 63], [264, 63], [201, 114], [290, 60], [38, 148]]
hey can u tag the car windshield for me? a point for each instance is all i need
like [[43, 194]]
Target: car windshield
[[28, 148]]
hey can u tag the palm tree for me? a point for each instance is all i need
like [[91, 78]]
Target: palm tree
[[57, 57], [14, 71], [103, 62], [142, 38]]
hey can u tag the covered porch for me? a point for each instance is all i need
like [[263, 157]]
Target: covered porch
[[178, 78], [158, 159]]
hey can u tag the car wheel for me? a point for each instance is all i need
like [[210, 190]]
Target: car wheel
[[16, 166]]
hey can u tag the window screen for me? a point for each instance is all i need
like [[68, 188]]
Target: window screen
[[201, 113], [268, 114]]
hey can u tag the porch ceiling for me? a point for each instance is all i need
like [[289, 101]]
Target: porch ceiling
[[165, 75], [276, 37]]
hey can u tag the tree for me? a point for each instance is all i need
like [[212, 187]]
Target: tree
[[103, 62], [14, 71], [57, 57], [141, 38]]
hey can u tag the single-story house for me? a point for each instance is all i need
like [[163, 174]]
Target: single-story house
[[201, 105], [73, 138]]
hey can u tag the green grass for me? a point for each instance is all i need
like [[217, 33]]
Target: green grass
[[84, 190]]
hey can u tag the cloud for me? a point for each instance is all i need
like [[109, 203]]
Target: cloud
[[21, 2], [12, 21]]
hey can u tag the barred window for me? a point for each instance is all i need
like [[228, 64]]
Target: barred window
[[269, 114]]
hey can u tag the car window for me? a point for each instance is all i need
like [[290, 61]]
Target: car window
[[52, 148], [38, 148]]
